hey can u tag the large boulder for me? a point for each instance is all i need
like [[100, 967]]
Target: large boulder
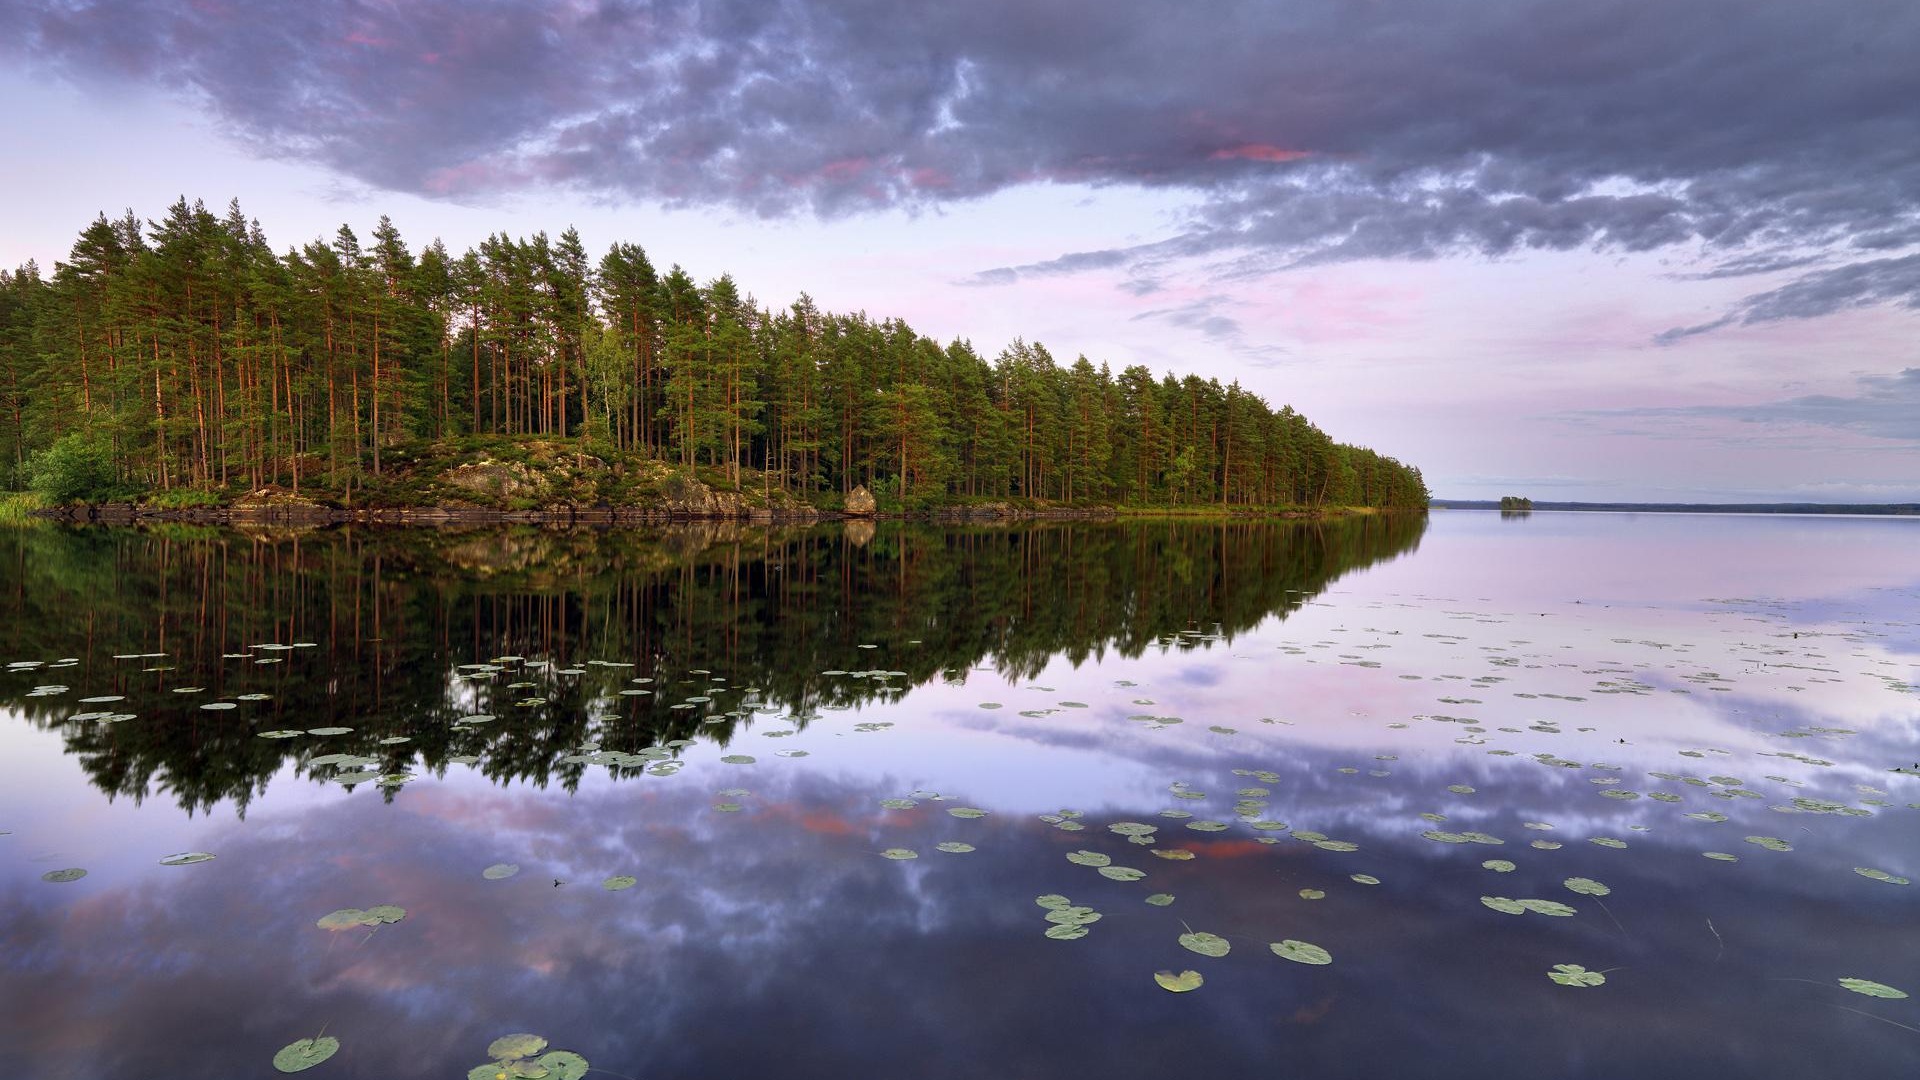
[[860, 502]]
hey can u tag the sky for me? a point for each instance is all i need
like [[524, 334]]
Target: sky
[[1608, 250]]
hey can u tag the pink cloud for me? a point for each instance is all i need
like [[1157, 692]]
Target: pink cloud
[[1258, 152]]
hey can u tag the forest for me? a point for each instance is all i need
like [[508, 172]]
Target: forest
[[183, 361]]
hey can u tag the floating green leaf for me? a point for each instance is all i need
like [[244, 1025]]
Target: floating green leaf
[[563, 1065], [1122, 873], [304, 1054], [1501, 903], [386, 914], [1066, 931], [508, 1047], [1179, 984], [1133, 828], [1301, 952], [1073, 915], [1088, 858], [1336, 845], [898, 804], [1880, 875], [500, 871], [899, 853], [1607, 841], [1160, 899], [1052, 900], [1176, 854], [966, 813], [1721, 856], [1546, 907], [1575, 975], [1499, 866], [1313, 894], [738, 759], [186, 858], [1365, 879], [728, 807], [1872, 989], [1771, 843], [953, 847], [1586, 886], [619, 882], [72, 873], [1205, 944]]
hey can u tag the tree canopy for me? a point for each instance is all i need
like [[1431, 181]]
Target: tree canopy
[[184, 354]]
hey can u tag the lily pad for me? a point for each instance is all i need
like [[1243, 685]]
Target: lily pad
[[1052, 901], [1175, 854], [1160, 899], [1499, 866], [1364, 879], [738, 759], [966, 813], [1575, 975], [1179, 984], [1301, 952], [1880, 875], [304, 1054], [1547, 907], [899, 853], [1088, 858], [500, 871], [72, 873], [619, 882], [1066, 931], [1122, 873], [953, 847], [1205, 944], [1073, 915], [898, 804], [187, 858], [508, 1047], [1503, 904], [1872, 989], [1313, 894], [1721, 856], [563, 1065], [1586, 886], [1771, 843]]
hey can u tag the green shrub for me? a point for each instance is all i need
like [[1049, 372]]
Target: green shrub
[[78, 468]]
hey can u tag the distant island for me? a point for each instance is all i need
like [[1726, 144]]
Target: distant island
[[1515, 504], [1882, 509], [182, 365]]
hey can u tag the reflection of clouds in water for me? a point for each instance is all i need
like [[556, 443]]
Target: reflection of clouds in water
[[777, 939]]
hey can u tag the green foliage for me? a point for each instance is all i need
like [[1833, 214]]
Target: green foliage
[[209, 363], [18, 507], [79, 467]]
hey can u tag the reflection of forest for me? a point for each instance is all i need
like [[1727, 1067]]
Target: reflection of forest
[[393, 614]]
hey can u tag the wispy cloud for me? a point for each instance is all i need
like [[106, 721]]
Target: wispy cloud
[[1884, 407]]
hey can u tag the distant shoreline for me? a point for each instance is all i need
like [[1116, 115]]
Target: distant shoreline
[[1848, 509]]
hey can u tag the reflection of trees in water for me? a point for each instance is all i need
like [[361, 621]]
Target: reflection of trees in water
[[392, 614]]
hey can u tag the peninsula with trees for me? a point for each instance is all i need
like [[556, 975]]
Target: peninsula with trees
[[183, 364]]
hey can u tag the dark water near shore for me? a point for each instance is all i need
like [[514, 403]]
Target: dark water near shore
[[1330, 729]]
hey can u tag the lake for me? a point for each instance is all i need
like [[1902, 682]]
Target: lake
[[1568, 795]]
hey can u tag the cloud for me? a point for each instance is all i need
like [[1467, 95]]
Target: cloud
[[1761, 130], [1884, 407]]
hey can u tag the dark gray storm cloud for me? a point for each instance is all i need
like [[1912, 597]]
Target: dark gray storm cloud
[[1308, 131]]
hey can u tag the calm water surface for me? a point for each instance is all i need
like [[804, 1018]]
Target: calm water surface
[[1320, 734]]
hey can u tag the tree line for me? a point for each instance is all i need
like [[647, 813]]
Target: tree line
[[186, 355]]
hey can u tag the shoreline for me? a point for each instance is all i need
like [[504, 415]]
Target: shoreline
[[287, 513]]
